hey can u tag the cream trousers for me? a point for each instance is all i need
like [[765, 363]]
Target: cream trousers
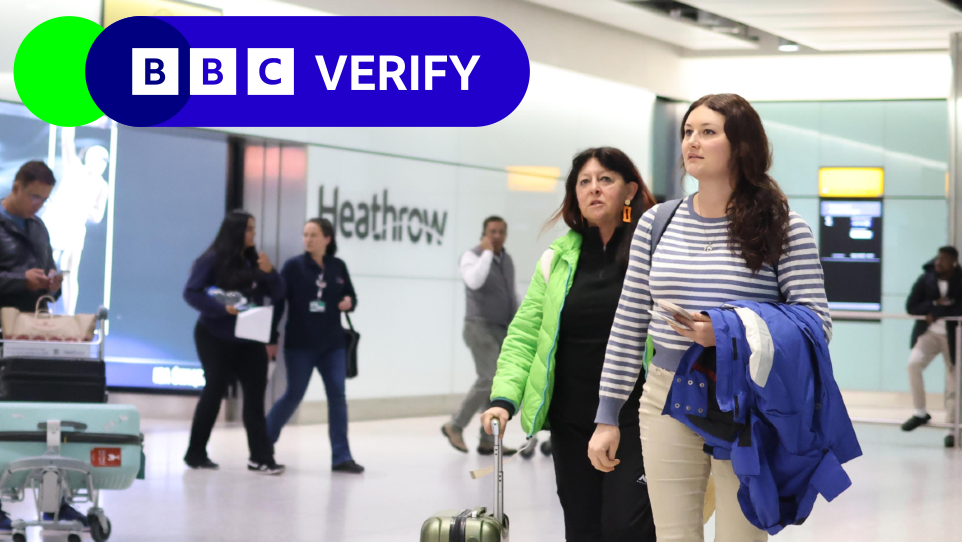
[[677, 468]]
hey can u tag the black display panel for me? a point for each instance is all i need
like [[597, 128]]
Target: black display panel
[[850, 247]]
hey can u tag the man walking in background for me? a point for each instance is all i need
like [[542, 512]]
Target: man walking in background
[[488, 274], [936, 294]]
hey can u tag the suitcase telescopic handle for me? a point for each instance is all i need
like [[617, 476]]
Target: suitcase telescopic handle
[[498, 471], [42, 426]]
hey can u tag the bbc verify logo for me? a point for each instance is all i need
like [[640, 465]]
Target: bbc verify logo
[[155, 72], [307, 71]]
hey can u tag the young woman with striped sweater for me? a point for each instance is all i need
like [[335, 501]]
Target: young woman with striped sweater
[[735, 239]]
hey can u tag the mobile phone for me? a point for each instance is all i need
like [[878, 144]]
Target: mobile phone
[[676, 311], [668, 317]]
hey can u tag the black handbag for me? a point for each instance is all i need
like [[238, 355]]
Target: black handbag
[[351, 338]]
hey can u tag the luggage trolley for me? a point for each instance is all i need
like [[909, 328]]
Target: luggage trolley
[[61, 371], [66, 452]]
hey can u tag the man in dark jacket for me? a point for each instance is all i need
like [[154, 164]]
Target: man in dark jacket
[[936, 295], [27, 268]]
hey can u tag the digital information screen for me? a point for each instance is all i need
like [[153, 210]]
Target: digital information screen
[[850, 246], [107, 233]]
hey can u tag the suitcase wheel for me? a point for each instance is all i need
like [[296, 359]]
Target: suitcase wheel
[[19, 537], [100, 533], [529, 450], [73, 538], [546, 447]]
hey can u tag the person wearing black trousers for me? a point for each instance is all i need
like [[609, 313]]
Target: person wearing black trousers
[[568, 313], [232, 266]]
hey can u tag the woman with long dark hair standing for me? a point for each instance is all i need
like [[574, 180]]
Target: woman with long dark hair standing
[[551, 360], [319, 289], [734, 240], [232, 266]]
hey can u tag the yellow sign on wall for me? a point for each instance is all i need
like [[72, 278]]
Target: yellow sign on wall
[[115, 10], [533, 178], [851, 182]]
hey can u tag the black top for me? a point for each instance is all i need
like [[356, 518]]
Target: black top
[[315, 330], [213, 314], [586, 319], [921, 300], [20, 250]]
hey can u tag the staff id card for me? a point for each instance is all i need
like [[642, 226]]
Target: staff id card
[[318, 306]]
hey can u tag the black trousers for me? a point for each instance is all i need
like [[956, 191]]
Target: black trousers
[[223, 360], [598, 506]]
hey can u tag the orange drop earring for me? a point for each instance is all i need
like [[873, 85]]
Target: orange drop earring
[[626, 214]]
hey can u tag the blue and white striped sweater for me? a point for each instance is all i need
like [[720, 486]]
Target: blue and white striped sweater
[[685, 274]]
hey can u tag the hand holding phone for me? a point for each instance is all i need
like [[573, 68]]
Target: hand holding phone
[[682, 317], [36, 279], [486, 244], [668, 317], [55, 280]]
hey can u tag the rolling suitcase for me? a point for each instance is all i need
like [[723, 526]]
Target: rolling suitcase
[[67, 453], [53, 380], [477, 525]]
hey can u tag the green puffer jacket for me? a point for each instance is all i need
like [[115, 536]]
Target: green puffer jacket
[[527, 362]]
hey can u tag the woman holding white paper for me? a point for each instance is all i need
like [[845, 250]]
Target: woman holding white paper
[[228, 277], [319, 288]]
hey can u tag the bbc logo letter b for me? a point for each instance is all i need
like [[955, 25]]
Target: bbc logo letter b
[[154, 72], [213, 71]]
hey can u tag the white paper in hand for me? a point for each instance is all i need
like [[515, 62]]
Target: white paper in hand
[[255, 324]]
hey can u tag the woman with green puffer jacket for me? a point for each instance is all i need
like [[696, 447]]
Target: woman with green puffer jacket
[[551, 360]]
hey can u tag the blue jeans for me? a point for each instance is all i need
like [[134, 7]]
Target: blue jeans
[[332, 365]]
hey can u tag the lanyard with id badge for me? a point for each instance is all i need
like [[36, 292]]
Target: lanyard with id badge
[[318, 304]]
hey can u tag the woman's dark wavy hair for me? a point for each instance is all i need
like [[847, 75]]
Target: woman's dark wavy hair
[[328, 230], [758, 210], [236, 264], [613, 160]]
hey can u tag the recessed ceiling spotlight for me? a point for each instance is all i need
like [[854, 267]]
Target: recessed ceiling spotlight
[[787, 46]]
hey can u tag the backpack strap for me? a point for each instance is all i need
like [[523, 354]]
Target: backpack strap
[[545, 263], [658, 226], [660, 223]]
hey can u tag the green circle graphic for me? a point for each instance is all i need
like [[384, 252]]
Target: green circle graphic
[[49, 71]]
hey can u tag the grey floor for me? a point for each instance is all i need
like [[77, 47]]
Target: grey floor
[[907, 487]]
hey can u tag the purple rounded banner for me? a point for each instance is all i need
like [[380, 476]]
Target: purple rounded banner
[[307, 71]]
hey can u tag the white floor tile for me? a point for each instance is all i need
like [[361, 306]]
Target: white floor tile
[[907, 487]]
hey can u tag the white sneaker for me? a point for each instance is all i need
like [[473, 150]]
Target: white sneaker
[[271, 468]]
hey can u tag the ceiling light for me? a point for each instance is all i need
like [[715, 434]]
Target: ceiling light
[[786, 46]]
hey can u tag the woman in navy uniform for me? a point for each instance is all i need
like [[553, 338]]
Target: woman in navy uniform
[[319, 289]]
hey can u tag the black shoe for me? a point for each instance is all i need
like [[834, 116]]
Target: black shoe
[[488, 449], [915, 422], [950, 441], [271, 468], [69, 513], [528, 450], [205, 463], [350, 466], [546, 447]]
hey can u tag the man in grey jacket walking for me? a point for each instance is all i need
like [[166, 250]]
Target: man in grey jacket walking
[[488, 274]]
